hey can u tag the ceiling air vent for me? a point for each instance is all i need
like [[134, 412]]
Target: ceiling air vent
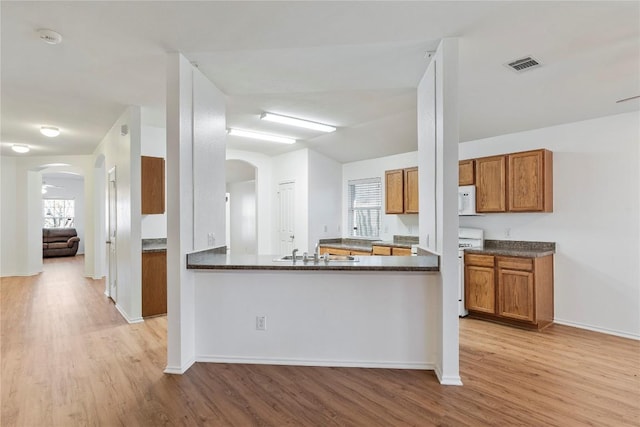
[[523, 64]]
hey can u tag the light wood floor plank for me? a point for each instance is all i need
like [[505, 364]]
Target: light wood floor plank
[[69, 359]]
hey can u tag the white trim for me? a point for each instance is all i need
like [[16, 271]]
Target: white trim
[[444, 380], [126, 317], [597, 329], [316, 362], [179, 370]]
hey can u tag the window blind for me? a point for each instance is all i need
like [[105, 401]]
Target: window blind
[[365, 207]]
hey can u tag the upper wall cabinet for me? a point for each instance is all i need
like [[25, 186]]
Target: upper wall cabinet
[[531, 181], [401, 194], [466, 172], [491, 184], [515, 182], [152, 185]]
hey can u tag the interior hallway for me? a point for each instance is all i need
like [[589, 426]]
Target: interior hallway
[[69, 359]]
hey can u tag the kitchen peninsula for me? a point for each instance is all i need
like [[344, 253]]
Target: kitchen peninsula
[[369, 312]]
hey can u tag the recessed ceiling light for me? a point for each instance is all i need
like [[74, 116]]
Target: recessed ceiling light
[[49, 131], [261, 136], [297, 122], [20, 148]]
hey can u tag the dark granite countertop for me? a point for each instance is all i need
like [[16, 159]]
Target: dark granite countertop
[[210, 260], [154, 245], [515, 248]]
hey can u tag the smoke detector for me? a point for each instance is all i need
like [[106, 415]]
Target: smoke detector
[[523, 64], [49, 36]]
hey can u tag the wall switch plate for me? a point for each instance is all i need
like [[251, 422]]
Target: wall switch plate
[[261, 323]]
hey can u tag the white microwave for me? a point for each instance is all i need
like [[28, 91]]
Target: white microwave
[[467, 200]]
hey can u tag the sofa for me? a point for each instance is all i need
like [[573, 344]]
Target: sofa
[[59, 242]]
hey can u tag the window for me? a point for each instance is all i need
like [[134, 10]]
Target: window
[[365, 207], [58, 213]]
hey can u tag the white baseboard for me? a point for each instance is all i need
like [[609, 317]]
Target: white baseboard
[[315, 362], [126, 317], [447, 380], [597, 329], [179, 370]]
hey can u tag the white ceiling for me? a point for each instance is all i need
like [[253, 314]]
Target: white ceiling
[[354, 65]]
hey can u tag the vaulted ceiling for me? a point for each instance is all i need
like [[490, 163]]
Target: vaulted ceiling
[[355, 65]]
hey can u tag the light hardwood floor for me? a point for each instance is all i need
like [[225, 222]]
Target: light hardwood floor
[[69, 359]]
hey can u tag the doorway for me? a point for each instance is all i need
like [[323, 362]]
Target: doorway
[[111, 241], [286, 222]]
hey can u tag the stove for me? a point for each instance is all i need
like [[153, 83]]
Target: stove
[[467, 238]]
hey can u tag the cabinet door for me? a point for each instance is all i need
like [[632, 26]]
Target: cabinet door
[[411, 190], [394, 191], [466, 175], [360, 253], [528, 188], [480, 290], [152, 185], [491, 182], [381, 250], [154, 283], [515, 294], [400, 251]]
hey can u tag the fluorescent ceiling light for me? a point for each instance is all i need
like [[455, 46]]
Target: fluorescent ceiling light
[[49, 131], [262, 136], [297, 122], [20, 148]]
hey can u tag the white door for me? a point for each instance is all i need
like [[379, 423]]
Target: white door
[[286, 197], [111, 240]]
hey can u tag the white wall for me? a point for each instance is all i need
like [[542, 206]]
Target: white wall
[[391, 224], [595, 221], [293, 167], [8, 215], [264, 197], [123, 153], [70, 189], [325, 198], [243, 217], [154, 144]]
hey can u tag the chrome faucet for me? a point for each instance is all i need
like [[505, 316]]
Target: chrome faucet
[[316, 253], [293, 255]]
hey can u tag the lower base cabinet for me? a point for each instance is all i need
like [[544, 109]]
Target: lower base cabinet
[[154, 283], [512, 290]]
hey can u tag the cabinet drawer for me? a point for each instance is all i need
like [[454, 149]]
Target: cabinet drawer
[[381, 250], [525, 264], [479, 260], [361, 253]]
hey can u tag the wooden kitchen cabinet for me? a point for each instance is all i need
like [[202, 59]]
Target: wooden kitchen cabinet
[[336, 251], [154, 283], [381, 250], [394, 195], [411, 193], [491, 184], [479, 275], [530, 181], [466, 172], [401, 191], [514, 290], [152, 185]]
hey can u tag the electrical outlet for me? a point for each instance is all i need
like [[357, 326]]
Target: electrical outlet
[[325, 228], [507, 232], [261, 323], [211, 239]]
